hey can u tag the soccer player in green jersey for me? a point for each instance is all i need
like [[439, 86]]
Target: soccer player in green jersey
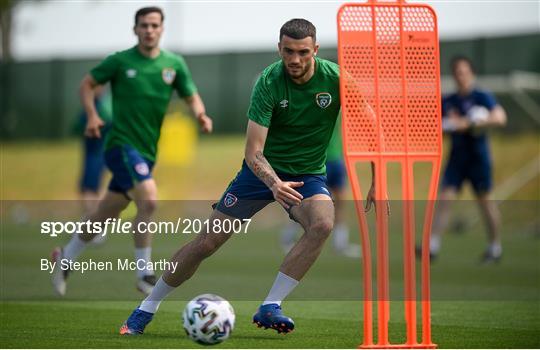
[[142, 81], [293, 110]]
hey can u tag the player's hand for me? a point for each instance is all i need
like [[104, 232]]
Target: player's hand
[[93, 126], [285, 194], [370, 200], [205, 122], [460, 124]]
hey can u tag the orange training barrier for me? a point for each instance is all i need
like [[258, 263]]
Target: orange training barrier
[[390, 99]]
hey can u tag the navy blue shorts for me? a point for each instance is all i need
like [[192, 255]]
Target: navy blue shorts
[[128, 168], [336, 174], [246, 194], [477, 171]]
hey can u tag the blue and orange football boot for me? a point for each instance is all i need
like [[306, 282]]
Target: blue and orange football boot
[[270, 316], [136, 323]]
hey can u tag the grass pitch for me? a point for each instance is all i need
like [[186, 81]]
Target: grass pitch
[[495, 306], [61, 324]]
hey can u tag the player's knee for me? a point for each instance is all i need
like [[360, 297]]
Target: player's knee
[[207, 247], [147, 206], [322, 228]]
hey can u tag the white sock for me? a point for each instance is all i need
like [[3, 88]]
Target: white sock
[[434, 244], [283, 286], [144, 254], [495, 248], [340, 236], [73, 249], [159, 292]]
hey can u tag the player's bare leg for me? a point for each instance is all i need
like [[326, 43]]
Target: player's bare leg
[[144, 194], [491, 215], [189, 257], [90, 200], [316, 215], [109, 207]]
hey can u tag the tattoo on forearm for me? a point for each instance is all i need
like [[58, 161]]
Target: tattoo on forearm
[[262, 169]]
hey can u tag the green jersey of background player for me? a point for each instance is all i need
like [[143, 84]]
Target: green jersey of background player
[[293, 110], [142, 81]]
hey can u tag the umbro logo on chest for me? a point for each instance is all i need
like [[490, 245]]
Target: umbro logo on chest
[[322, 99], [167, 74]]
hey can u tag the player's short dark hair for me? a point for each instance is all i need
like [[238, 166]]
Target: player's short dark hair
[[146, 10], [460, 58], [298, 28]]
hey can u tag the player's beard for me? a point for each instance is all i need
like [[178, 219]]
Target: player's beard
[[301, 73]]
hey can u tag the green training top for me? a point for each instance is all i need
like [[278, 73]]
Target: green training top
[[335, 147], [300, 118], [141, 89]]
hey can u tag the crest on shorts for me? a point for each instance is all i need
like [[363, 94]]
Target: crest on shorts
[[142, 169], [168, 75], [230, 200], [323, 99]]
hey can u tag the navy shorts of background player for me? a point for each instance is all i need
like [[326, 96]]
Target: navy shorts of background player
[[470, 157], [336, 174], [128, 167]]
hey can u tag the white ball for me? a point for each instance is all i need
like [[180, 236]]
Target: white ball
[[208, 319], [478, 114]]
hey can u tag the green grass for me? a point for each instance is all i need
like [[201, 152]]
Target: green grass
[[56, 324], [55, 168], [494, 306]]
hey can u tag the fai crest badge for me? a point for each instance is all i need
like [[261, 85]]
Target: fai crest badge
[[168, 75], [142, 169], [230, 200], [323, 99]]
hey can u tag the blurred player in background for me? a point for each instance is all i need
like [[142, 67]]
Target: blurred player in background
[[93, 162], [467, 114], [292, 114], [336, 180], [142, 81]]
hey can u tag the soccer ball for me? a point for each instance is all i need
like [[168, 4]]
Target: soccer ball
[[478, 114], [208, 319]]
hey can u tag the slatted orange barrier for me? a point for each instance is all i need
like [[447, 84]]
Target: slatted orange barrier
[[390, 99]]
